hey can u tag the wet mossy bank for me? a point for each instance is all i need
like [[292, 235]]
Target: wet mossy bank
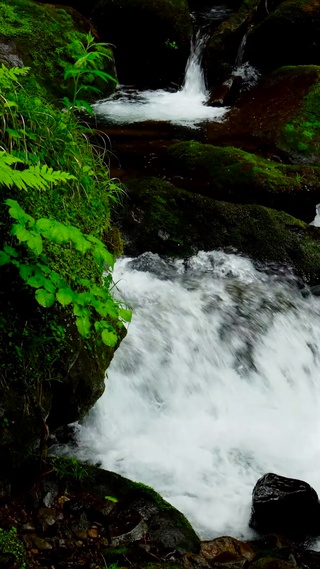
[[163, 219]]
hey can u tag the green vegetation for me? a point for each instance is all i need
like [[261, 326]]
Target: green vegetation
[[58, 192], [301, 135], [11, 545], [49, 38]]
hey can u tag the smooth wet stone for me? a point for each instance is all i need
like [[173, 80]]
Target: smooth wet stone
[[285, 505]]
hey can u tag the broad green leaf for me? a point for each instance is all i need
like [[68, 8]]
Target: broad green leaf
[[109, 338], [83, 325], [64, 296], [44, 298], [35, 243], [37, 281], [126, 315], [21, 233]]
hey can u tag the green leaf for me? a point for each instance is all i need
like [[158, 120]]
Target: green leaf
[[83, 325], [44, 298], [64, 296], [35, 243], [36, 281], [112, 499], [21, 233], [102, 255], [4, 258], [109, 338], [126, 315]]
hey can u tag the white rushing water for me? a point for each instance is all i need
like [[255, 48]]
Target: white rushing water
[[216, 383], [185, 107]]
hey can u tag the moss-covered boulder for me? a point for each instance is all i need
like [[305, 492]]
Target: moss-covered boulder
[[77, 515], [289, 35], [42, 37], [151, 38], [279, 118], [163, 219], [230, 174], [222, 48]]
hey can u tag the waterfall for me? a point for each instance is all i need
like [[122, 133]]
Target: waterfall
[[185, 107], [194, 82], [240, 54], [216, 383]]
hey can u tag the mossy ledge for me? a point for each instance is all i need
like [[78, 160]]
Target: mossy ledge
[[231, 174], [163, 219]]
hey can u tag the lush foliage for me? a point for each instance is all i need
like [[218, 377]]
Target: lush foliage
[[57, 245]]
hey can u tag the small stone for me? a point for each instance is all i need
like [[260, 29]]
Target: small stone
[[34, 551], [28, 527], [93, 533], [40, 543], [81, 534]]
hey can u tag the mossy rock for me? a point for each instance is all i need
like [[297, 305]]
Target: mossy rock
[[279, 118], [41, 37], [122, 507], [151, 37], [83, 6], [163, 219], [222, 48], [290, 35], [230, 174]]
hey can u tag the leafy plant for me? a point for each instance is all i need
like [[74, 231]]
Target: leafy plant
[[50, 286], [89, 64]]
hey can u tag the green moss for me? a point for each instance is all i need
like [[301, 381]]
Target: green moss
[[11, 545], [234, 175], [301, 136]]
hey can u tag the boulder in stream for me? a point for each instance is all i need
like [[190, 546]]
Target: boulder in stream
[[285, 505]]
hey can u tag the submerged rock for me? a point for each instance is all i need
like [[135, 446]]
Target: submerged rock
[[285, 505]]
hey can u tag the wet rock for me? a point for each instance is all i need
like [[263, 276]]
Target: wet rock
[[285, 505], [269, 563], [195, 222], [288, 35], [47, 519], [226, 550]]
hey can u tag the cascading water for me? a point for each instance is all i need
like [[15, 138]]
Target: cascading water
[[186, 107], [216, 383]]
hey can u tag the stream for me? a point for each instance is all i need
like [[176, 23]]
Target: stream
[[217, 381]]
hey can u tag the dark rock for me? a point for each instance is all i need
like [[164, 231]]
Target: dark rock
[[289, 35], [285, 505], [152, 39]]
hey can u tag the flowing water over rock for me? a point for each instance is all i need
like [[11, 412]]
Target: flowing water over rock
[[216, 383], [185, 107]]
